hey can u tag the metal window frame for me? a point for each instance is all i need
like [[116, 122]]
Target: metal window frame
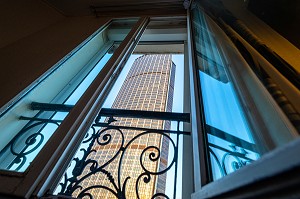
[[36, 180]]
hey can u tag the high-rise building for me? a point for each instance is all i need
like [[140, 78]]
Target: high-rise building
[[148, 86]]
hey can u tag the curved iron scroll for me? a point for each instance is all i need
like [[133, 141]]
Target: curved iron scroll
[[29, 139], [23, 147], [71, 185], [230, 160]]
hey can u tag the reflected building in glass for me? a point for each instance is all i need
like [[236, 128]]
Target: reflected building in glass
[[148, 86]]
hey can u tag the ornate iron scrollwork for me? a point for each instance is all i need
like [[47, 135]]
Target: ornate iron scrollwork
[[23, 147], [71, 185], [26, 142], [229, 160]]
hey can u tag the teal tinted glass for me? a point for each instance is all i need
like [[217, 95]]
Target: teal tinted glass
[[32, 120], [231, 144]]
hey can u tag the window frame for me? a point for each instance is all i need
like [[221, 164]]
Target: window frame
[[51, 186], [60, 147], [54, 157], [200, 156], [250, 177]]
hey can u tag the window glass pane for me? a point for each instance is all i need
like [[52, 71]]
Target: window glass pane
[[230, 138], [31, 121]]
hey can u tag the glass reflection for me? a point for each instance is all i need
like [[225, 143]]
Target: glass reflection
[[29, 124], [230, 141]]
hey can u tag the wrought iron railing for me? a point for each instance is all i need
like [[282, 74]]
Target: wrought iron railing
[[231, 159], [28, 141], [114, 181], [227, 158], [229, 153]]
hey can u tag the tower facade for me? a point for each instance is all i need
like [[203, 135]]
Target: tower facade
[[148, 86]]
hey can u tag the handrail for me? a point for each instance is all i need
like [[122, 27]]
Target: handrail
[[184, 117]]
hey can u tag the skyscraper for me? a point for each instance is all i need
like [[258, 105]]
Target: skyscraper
[[148, 86]]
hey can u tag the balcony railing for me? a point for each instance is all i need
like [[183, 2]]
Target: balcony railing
[[103, 134], [118, 139]]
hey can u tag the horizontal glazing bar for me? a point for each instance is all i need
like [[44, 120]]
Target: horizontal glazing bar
[[50, 107], [39, 119], [230, 138]]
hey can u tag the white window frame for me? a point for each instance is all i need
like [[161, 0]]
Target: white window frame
[[275, 162], [60, 147], [57, 153]]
